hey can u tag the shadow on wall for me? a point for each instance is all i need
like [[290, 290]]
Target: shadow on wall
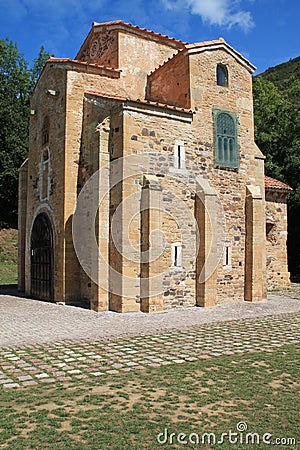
[[73, 275]]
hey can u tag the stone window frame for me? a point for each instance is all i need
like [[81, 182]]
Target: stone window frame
[[179, 155], [270, 229], [227, 256], [226, 146], [45, 178], [45, 163], [222, 75], [45, 131], [176, 255]]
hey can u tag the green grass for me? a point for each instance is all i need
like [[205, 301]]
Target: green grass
[[8, 273], [8, 256], [129, 410]]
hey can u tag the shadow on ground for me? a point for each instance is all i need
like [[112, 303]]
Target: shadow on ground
[[12, 289]]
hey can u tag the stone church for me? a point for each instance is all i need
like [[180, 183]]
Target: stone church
[[143, 188]]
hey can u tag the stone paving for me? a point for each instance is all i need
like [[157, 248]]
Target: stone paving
[[71, 356]]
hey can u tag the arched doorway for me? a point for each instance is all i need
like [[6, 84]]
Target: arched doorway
[[42, 258]]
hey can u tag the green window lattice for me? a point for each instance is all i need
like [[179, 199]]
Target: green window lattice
[[226, 146]]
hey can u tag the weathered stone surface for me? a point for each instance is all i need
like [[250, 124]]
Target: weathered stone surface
[[151, 100], [276, 228]]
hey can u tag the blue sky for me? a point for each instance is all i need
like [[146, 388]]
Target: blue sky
[[264, 31]]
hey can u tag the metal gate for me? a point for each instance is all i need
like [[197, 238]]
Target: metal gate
[[42, 259]]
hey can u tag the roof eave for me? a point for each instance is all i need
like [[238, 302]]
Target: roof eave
[[220, 44], [120, 24]]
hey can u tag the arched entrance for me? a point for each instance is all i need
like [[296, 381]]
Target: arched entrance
[[42, 259]]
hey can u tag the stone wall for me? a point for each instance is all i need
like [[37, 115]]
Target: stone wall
[[230, 185], [278, 276], [170, 83], [48, 100], [161, 191], [22, 217], [145, 132], [128, 49], [137, 58], [101, 48]]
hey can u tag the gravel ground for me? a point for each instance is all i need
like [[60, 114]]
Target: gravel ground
[[26, 322]]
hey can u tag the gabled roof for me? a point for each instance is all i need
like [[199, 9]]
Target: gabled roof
[[216, 45], [141, 102], [118, 23], [272, 183], [82, 64], [143, 32]]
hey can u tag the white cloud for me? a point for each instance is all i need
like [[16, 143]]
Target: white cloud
[[215, 12]]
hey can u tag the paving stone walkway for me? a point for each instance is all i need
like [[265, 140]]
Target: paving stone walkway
[[67, 361], [171, 337]]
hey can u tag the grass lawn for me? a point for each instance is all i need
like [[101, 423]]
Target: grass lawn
[[258, 390], [8, 273], [8, 256]]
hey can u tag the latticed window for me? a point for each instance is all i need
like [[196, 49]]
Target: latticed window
[[226, 146], [222, 75]]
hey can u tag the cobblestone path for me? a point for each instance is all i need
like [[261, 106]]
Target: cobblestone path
[[67, 360]]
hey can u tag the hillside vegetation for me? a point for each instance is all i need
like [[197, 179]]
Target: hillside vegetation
[[8, 256], [277, 133], [283, 72]]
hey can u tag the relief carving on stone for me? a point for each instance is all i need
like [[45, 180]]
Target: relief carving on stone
[[99, 46]]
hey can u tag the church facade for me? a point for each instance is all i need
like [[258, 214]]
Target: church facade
[[144, 189]]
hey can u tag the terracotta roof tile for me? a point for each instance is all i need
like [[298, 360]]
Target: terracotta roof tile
[[215, 44], [135, 27], [82, 63], [205, 43], [272, 183], [141, 101]]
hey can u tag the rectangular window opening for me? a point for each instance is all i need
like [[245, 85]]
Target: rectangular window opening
[[176, 254], [227, 257], [179, 155]]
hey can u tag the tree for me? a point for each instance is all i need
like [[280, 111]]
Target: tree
[[16, 84], [277, 133], [38, 64]]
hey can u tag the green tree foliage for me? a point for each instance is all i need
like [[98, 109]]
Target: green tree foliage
[[277, 133], [38, 64], [280, 74], [16, 83]]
